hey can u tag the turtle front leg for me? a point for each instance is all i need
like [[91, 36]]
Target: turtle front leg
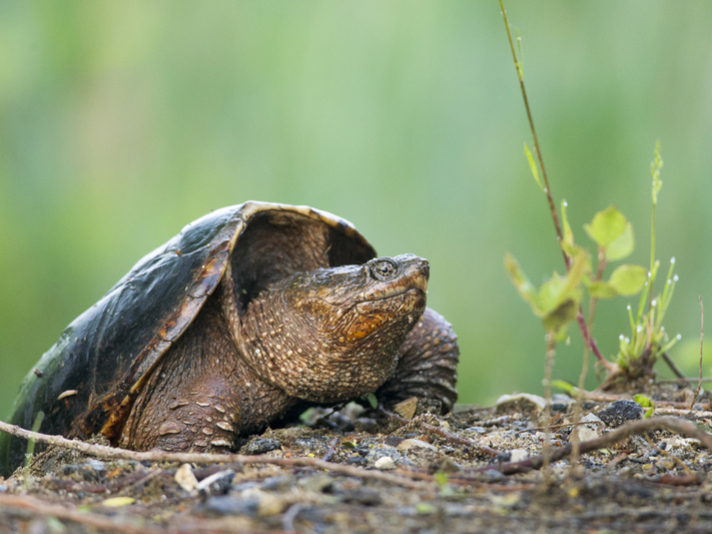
[[427, 366]]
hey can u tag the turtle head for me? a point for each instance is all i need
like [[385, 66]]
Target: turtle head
[[335, 333]]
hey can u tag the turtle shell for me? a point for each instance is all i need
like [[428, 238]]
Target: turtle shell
[[87, 381]]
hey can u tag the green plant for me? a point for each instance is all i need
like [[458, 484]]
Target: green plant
[[558, 301], [648, 339]]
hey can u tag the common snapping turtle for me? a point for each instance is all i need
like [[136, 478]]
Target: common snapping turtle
[[245, 313]]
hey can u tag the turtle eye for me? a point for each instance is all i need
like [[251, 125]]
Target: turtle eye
[[384, 269]]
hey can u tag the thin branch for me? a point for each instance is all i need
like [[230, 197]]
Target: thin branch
[[702, 335], [546, 449], [671, 364], [681, 380], [610, 366], [671, 424], [102, 451]]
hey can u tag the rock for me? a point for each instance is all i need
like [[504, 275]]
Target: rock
[[376, 453], [520, 403], [406, 408], [493, 474], [591, 418], [618, 412], [262, 446], [366, 496], [677, 442], [585, 433], [393, 441], [278, 483], [317, 483], [231, 505], [517, 455], [96, 465], [185, 478], [357, 460], [433, 406], [216, 484], [385, 463], [407, 444]]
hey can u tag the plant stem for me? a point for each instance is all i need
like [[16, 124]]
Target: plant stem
[[702, 334], [546, 449], [549, 197], [547, 189]]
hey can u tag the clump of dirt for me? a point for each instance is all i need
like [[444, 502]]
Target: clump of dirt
[[450, 478]]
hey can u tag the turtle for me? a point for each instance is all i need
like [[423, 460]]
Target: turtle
[[248, 313]]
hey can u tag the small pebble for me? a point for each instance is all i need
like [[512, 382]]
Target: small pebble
[[385, 463], [517, 455], [493, 474], [262, 446], [406, 408], [185, 478], [585, 433], [216, 484], [415, 443], [278, 483], [393, 441], [618, 412], [359, 461], [230, 505], [96, 465], [366, 497]]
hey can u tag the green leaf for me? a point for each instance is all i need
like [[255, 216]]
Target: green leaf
[[601, 290], [622, 246], [643, 401], [116, 502], [524, 287], [628, 279], [558, 318], [568, 234], [425, 508], [559, 297], [440, 478], [564, 386], [372, 400], [532, 166], [606, 226]]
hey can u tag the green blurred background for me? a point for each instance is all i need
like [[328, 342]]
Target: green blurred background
[[120, 122]]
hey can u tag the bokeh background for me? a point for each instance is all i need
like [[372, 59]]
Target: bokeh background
[[120, 122]]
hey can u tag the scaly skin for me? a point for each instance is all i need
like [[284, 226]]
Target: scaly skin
[[323, 336]]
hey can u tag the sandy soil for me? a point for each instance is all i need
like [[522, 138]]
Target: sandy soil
[[654, 482]]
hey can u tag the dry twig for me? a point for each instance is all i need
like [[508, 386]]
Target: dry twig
[[679, 426], [102, 451]]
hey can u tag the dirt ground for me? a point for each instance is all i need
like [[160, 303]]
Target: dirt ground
[[654, 482]]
